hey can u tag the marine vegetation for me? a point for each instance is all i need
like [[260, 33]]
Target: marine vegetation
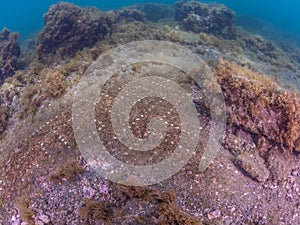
[[68, 28], [9, 53], [44, 178], [212, 19]]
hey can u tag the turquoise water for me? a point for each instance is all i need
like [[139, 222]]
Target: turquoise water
[[26, 16]]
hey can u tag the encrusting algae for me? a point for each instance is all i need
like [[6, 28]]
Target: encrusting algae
[[259, 105], [256, 172]]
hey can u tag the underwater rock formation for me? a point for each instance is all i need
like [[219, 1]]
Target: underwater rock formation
[[126, 15], [155, 12], [260, 106], [260, 46], [255, 178], [69, 28], [209, 18], [3, 119], [263, 114], [9, 53]]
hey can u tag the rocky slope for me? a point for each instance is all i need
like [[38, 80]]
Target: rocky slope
[[255, 179]]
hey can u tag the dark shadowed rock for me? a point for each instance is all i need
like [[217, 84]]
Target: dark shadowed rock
[[155, 12], [260, 46], [69, 28], [209, 18], [126, 15], [9, 53], [253, 166], [3, 119]]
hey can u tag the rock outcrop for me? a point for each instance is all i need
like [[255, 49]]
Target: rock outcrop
[[209, 18], [69, 28], [9, 53]]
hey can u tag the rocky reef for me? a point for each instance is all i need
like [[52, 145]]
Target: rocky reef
[[69, 28], [125, 16], [264, 120], [3, 119], [9, 53], [255, 178], [155, 12], [262, 111], [209, 18]]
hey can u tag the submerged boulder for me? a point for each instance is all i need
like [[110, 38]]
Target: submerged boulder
[[3, 119], [69, 28], [260, 46], [198, 17], [9, 53], [260, 106], [156, 11], [126, 15]]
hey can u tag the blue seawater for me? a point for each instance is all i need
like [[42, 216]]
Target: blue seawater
[[26, 17]]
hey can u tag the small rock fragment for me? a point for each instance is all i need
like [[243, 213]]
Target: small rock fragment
[[253, 165], [215, 214], [39, 223], [280, 166], [297, 146], [44, 218]]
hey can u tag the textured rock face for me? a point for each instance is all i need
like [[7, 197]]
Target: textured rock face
[[69, 28], [130, 15], [209, 18], [9, 53], [3, 119], [155, 12], [260, 106]]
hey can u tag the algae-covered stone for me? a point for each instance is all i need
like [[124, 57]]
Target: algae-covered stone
[[129, 15], [253, 165], [156, 11], [259, 106], [280, 166], [3, 119], [297, 146], [9, 53], [209, 18], [69, 28]]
